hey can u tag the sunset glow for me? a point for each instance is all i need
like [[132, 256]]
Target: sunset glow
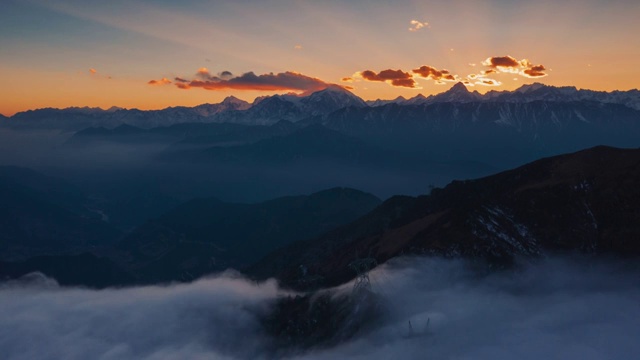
[[61, 53]]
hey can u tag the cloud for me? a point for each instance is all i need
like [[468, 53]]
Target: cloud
[[434, 309], [557, 308], [210, 319], [496, 65], [393, 77], [249, 81], [487, 82], [417, 25], [203, 71], [298, 47], [535, 71], [440, 76], [508, 64], [95, 74], [163, 81]]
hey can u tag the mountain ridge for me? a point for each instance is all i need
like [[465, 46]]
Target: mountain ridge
[[584, 202], [270, 109]]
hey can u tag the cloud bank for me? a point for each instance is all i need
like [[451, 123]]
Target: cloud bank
[[508, 64], [225, 80], [435, 309], [440, 76], [494, 65], [393, 77]]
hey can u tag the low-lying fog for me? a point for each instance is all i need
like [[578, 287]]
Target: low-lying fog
[[436, 309]]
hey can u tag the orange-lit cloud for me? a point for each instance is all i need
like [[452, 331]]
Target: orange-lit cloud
[[95, 74], [417, 25], [163, 81], [508, 64], [298, 47], [394, 77], [204, 74], [488, 82], [440, 76], [496, 65], [535, 71], [249, 81]]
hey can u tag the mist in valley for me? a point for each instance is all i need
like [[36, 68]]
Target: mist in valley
[[555, 308]]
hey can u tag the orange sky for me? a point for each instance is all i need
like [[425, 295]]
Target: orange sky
[[48, 48]]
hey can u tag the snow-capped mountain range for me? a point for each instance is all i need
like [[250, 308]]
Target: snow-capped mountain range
[[271, 109], [526, 93]]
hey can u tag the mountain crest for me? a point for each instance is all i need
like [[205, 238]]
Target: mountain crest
[[458, 88]]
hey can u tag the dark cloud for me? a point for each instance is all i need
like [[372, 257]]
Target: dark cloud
[[501, 61], [163, 81], [394, 77], [249, 81], [508, 64], [429, 72], [535, 71]]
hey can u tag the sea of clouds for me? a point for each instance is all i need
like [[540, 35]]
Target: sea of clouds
[[434, 309]]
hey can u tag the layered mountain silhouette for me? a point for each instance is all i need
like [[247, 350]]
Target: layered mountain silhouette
[[43, 215], [586, 202], [207, 235]]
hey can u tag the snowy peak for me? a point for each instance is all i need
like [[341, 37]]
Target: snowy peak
[[458, 88], [457, 93], [527, 88], [330, 99], [234, 101], [229, 103]]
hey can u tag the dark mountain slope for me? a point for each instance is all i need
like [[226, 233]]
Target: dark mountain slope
[[588, 201], [206, 235], [42, 215]]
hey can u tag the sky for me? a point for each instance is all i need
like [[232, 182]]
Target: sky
[[156, 54]]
